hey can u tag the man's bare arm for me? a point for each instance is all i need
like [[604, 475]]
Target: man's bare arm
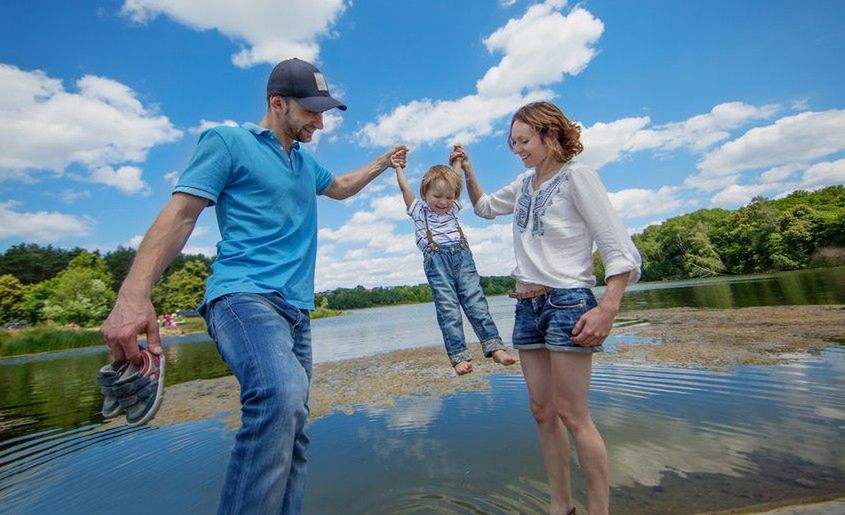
[[133, 313]]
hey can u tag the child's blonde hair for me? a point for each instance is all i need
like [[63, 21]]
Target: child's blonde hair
[[440, 172]]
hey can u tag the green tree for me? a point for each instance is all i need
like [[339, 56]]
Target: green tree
[[35, 298], [681, 247], [744, 237], [118, 262], [32, 263], [12, 293], [792, 245], [82, 293], [183, 289]]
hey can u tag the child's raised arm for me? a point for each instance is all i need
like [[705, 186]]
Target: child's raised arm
[[459, 159], [404, 187]]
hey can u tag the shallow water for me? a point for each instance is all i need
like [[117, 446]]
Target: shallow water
[[680, 440]]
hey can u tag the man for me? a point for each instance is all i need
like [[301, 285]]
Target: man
[[264, 188]]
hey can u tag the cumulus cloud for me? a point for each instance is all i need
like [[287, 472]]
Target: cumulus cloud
[[376, 247], [737, 195], [270, 31], [172, 177], [41, 226], [538, 49], [702, 131], [798, 138], [609, 142], [204, 125], [332, 120], [45, 128], [822, 175], [71, 196], [426, 121], [637, 202], [780, 173], [126, 178]]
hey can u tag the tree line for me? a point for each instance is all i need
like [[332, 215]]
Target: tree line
[[75, 286], [46, 283], [763, 236]]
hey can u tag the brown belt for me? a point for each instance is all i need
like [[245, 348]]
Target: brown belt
[[529, 294]]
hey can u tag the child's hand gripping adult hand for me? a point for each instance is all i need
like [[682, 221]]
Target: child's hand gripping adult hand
[[458, 158]]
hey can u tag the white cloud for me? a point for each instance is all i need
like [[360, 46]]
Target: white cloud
[[377, 247], [208, 251], [821, 175], [609, 142], [172, 177], [271, 30], [44, 127], [204, 125], [126, 178], [540, 48], [537, 49], [704, 130], [70, 196], [780, 173], [637, 202], [332, 120], [798, 138], [737, 195], [41, 226], [425, 121]]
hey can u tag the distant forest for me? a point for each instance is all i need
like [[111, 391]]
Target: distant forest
[[802, 230]]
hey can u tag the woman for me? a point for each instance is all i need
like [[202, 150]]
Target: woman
[[560, 209]]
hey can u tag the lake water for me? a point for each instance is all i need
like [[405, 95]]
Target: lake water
[[679, 440]]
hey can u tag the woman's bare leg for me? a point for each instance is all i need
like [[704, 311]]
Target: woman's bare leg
[[554, 443], [570, 374]]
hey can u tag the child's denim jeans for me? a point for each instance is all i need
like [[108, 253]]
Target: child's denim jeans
[[267, 344], [455, 284]]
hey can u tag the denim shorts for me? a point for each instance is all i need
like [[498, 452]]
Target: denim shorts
[[546, 321]]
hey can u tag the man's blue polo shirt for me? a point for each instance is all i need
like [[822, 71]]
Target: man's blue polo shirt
[[266, 204]]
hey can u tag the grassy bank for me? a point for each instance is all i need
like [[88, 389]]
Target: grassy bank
[[50, 338], [46, 338]]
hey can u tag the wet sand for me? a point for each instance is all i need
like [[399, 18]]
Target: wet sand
[[681, 337]]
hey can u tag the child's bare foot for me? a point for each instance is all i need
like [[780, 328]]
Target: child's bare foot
[[505, 358], [464, 367]]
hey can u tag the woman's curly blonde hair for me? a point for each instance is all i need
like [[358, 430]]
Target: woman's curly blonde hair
[[561, 137]]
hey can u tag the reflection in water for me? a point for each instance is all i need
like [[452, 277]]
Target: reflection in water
[[818, 286], [680, 440], [413, 414]]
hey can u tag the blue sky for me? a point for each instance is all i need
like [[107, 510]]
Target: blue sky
[[684, 105]]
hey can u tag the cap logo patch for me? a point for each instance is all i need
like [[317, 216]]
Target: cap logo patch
[[321, 82]]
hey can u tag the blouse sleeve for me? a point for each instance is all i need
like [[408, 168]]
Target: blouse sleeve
[[499, 203], [618, 252]]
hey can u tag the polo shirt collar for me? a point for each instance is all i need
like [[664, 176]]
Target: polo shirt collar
[[265, 132]]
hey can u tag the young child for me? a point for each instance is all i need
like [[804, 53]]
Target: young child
[[449, 266]]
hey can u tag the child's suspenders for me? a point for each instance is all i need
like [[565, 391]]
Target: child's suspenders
[[432, 245]]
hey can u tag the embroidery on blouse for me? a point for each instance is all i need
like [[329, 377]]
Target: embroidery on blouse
[[544, 200], [523, 205]]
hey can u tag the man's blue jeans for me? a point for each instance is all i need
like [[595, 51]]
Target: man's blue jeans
[[267, 344], [455, 283]]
